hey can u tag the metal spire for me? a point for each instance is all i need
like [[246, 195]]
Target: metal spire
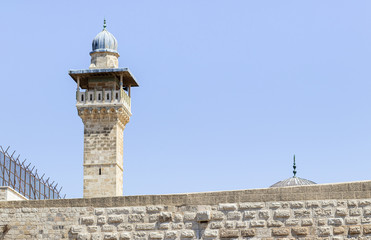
[[104, 24], [294, 166]]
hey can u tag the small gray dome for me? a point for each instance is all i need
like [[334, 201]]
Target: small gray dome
[[293, 181], [104, 42]]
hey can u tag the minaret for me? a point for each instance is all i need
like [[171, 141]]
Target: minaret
[[103, 102]]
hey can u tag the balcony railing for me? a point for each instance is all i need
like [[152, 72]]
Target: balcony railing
[[104, 97]]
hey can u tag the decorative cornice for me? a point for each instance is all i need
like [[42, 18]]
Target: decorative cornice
[[103, 113]]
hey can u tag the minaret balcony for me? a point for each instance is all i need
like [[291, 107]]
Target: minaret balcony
[[103, 98]]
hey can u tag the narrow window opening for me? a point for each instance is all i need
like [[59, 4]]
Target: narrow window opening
[[91, 97], [99, 97], [100, 171], [107, 96], [117, 96], [82, 98]]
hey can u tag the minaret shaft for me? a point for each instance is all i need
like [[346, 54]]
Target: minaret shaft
[[103, 154]]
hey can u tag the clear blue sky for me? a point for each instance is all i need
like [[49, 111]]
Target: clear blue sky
[[229, 90]]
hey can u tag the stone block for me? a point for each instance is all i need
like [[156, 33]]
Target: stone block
[[366, 229], [164, 226], [249, 214], [300, 231], [367, 211], [258, 223], [352, 203], [124, 227], [228, 233], [297, 204], [351, 221], [139, 209], [280, 232], [118, 211], [99, 211], [307, 222], [115, 219], [322, 212], [177, 226], [274, 223], [165, 217], [210, 234], [110, 236], [87, 220], [178, 217], [248, 232], [217, 215], [76, 229], [335, 221], [153, 217], [241, 224], [355, 212], [190, 225], [363, 203], [302, 213], [323, 231], [95, 236], [229, 224], [108, 228], [140, 235], [145, 226], [282, 213], [156, 235], [136, 217], [353, 230], [264, 214], [125, 236], [227, 206], [292, 222], [171, 235], [187, 234], [82, 236], [312, 204], [251, 205], [321, 221], [274, 205], [235, 215], [190, 216], [203, 216], [338, 230], [154, 209], [216, 225], [341, 212]]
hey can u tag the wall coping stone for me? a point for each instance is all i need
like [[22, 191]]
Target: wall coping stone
[[346, 190]]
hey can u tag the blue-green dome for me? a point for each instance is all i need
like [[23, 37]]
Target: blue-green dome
[[104, 42]]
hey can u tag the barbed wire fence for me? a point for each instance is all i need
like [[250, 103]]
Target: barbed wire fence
[[24, 179]]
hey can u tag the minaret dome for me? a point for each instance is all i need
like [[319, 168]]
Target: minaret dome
[[104, 50]]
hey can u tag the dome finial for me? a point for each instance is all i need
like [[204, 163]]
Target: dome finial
[[104, 24], [294, 166]]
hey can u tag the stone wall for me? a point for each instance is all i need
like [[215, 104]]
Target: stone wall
[[329, 211]]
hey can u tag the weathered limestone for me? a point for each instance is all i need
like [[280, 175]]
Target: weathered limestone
[[104, 60], [103, 151], [197, 216]]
